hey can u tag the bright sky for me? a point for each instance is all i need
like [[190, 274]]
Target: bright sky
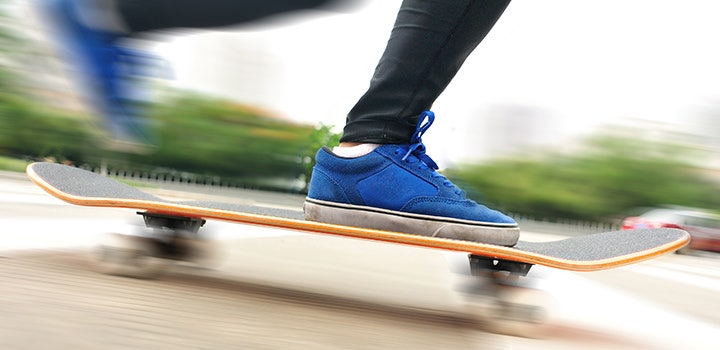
[[583, 63]]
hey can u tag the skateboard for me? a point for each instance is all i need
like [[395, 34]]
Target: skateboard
[[183, 219], [497, 293]]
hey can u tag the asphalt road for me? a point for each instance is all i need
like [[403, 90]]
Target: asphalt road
[[283, 290]]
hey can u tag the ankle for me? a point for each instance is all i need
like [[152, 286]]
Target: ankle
[[349, 144], [354, 149]]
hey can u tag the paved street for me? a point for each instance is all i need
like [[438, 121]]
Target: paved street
[[284, 290]]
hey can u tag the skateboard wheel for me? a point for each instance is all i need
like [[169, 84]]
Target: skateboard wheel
[[511, 310], [204, 253], [129, 256]]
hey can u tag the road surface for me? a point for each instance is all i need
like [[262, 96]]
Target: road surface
[[279, 289]]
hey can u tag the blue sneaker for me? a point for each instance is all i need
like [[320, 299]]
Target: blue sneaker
[[396, 188], [108, 73]]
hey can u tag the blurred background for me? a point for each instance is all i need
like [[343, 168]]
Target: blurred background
[[568, 110], [573, 116]]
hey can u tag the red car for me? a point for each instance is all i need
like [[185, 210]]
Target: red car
[[704, 227]]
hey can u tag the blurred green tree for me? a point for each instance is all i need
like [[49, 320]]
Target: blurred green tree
[[322, 136], [610, 177]]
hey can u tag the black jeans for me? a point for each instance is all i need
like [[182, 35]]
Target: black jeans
[[147, 15], [428, 44]]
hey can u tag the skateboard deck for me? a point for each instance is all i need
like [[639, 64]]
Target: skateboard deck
[[580, 253]]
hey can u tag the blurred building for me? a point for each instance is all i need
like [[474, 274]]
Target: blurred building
[[233, 65], [514, 130]]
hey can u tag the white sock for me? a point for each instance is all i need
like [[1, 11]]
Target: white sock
[[355, 151]]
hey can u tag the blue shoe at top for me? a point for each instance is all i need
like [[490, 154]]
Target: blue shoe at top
[[396, 188], [109, 74]]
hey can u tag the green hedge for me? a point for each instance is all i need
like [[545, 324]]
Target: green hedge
[[612, 177], [194, 135]]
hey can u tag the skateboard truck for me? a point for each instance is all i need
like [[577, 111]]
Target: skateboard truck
[[171, 222], [173, 237], [480, 265]]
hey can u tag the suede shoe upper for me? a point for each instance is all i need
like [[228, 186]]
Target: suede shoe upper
[[399, 178]]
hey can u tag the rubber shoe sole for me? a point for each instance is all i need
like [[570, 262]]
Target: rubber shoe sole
[[423, 225]]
